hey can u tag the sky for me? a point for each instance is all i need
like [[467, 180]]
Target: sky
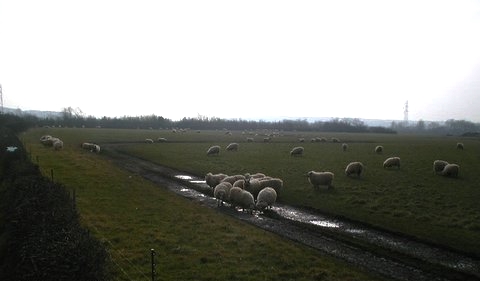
[[243, 59]]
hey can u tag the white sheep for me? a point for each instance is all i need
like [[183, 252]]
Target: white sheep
[[221, 192], [46, 140], [318, 179], [354, 168], [213, 150], [234, 195], [460, 145], [274, 183], [451, 170], [252, 185], [161, 139], [57, 144], [234, 178], [96, 148], [336, 140], [246, 201], [232, 146], [392, 162], [438, 166], [297, 151], [266, 198], [239, 183], [379, 149], [250, 140], [213, 180], [344, 146], [148, 140]]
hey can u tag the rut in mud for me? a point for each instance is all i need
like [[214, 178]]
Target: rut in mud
[[391, 255]]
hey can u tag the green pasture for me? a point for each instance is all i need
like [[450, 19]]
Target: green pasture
[[411, 200], [131, 215]]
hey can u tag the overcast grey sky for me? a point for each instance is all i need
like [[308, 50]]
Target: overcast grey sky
[[243, 59]]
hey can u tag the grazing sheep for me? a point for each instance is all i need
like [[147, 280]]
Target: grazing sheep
[[354, 168], [96, 148], [148, 140], [379, 149], [274, 183], [320, 178], [297, 151], [438, 166], [162, 139], [250, 140], [301, 139], [246, 201], [267, 139], [234, 195], [57, 144], [232, 147], [214, 150], [392, 162], [460, 145], [252, 185], [256, 175], [335, 140], [213, 180], [221, 192], [451, 170], [234, 178], [344, 146], [88, 146], [266, 198], [239, 183], [46, 140]]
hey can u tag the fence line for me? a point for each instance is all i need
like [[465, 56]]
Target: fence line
[[121, 256]]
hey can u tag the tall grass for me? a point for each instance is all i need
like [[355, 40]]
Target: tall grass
[[132, 215]]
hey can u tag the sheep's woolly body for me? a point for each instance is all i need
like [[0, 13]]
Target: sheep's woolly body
[[234, 195], [234, 178], [354, 168], [344, 146], [460, 145], [451, 170], [214, 150], [213, 180], [266, 198], [149, 140], [252, 185], [297, 151], [439, 165], [57, 144], [162, 140], [318, 179], [392, 162], [274, 183], [247, 201], [232, 147], [378, 149], [221, 192]]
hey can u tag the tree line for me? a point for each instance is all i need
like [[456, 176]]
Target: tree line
[[75, 118]]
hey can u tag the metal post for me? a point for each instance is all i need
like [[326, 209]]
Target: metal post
[[152, 252]]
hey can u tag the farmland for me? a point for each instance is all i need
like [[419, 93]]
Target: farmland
[[411, 200]]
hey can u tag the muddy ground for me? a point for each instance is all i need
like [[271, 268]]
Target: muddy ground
[[391, 255]]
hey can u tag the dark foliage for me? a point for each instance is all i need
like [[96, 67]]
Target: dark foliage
[[41, 235]]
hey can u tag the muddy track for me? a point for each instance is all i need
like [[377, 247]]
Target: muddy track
[[391, 255]]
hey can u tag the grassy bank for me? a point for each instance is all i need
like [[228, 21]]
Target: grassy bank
[[131, 216]]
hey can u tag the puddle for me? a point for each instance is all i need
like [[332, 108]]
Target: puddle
[[184, 177], [324, 223], [11, 148]]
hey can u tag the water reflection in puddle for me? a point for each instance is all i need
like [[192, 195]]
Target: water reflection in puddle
[[325, 223], [183, 177]]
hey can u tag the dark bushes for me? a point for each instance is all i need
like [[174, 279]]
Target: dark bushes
[[41, 236]]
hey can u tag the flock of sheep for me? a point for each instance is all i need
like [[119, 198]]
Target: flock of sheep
[[249, 192], [257, 191]]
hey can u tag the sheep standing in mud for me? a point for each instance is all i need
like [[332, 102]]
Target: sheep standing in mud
[[266, 198], [318, 179], [221, 192], [213, 180]]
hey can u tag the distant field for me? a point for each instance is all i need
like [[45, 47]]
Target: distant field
[[411, 200], [131, 215]]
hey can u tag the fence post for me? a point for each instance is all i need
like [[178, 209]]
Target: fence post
[[74, 199], [152, 253], [51, 173]]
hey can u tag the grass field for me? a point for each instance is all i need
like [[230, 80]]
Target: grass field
[[411, 200], [132, 215]]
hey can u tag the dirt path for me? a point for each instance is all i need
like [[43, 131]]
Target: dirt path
[[391, 255]]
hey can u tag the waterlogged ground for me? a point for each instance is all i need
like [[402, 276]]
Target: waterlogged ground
[[393, 255]]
